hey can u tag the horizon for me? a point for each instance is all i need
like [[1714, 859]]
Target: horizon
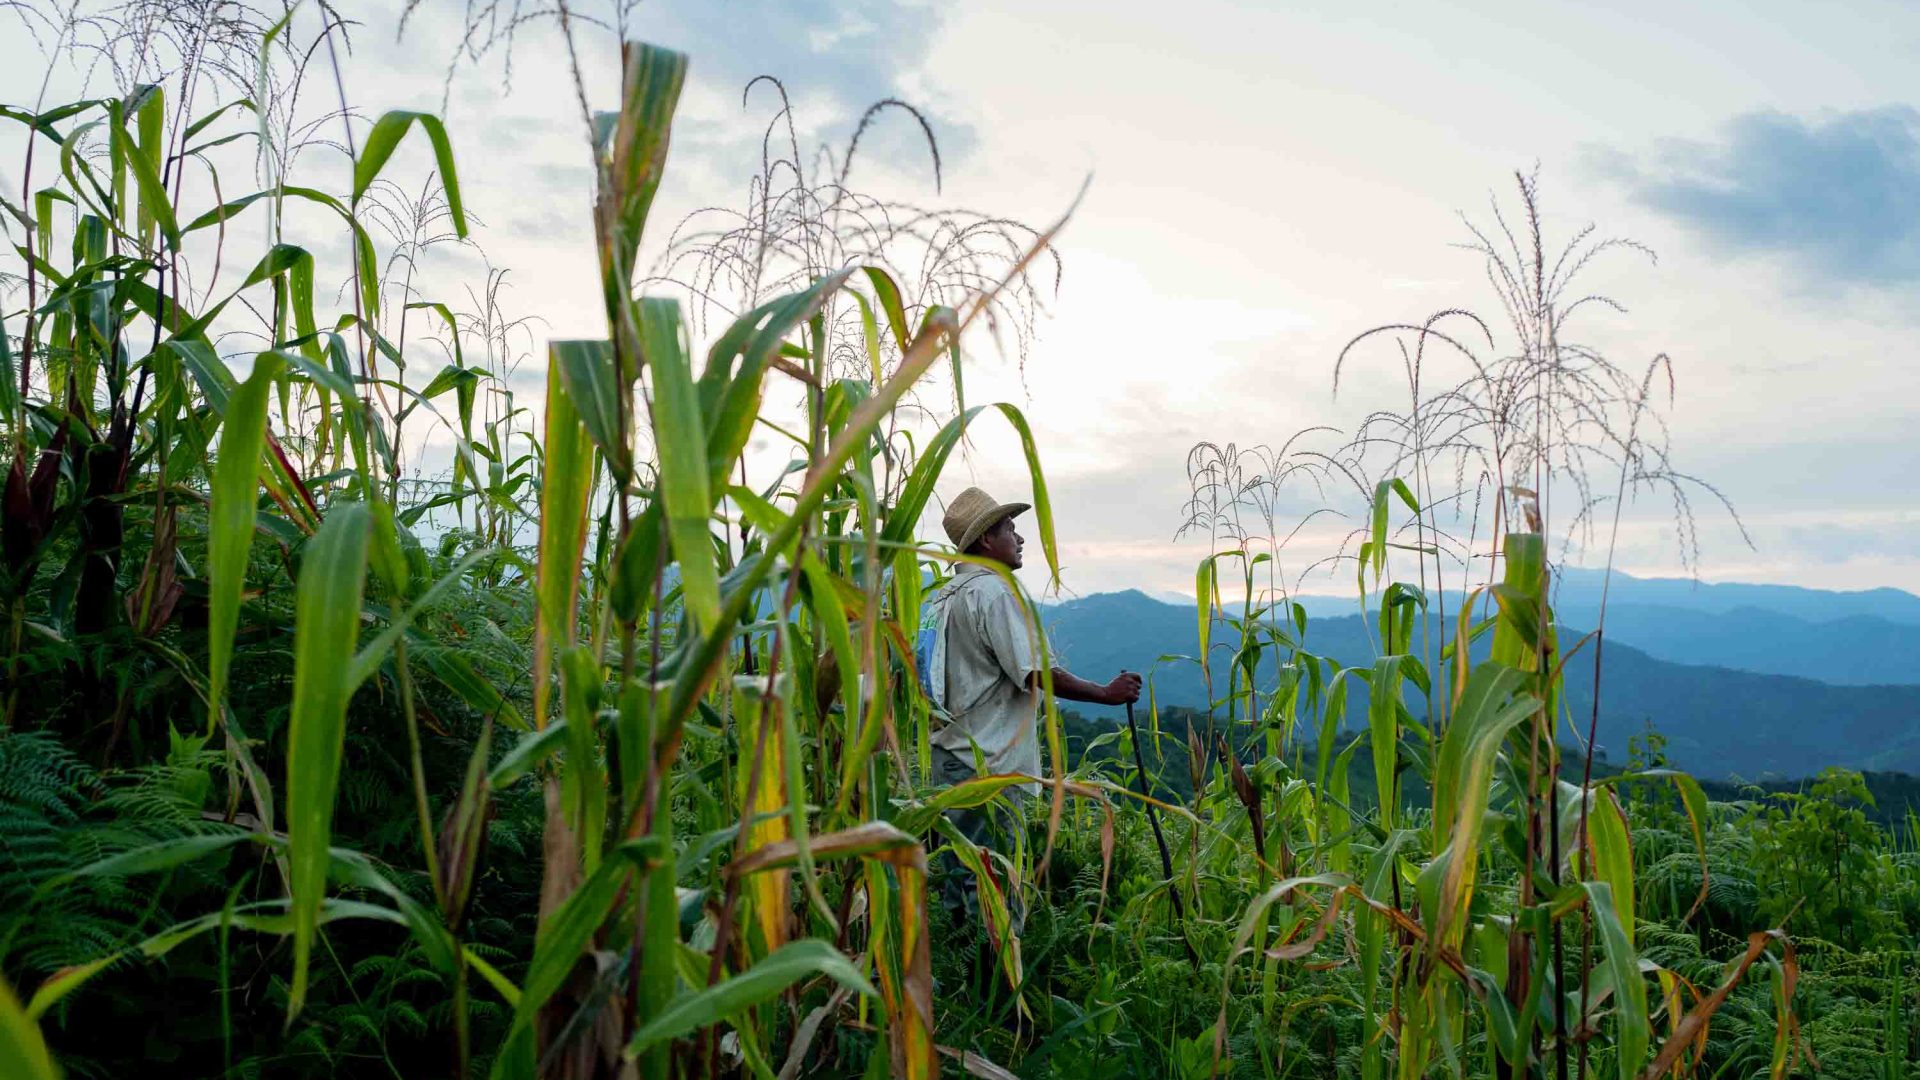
[[1176, 596]]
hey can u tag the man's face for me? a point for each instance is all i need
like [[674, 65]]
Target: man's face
[[1003, 543]]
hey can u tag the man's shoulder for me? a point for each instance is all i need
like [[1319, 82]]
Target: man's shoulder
[[966, 578], [979, 585]]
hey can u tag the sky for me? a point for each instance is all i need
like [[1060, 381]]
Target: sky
[[1265, 181]]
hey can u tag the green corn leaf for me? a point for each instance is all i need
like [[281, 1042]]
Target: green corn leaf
[[333, 577], [1631, 1031], [388, 558], [583, 784], [385, 138], [1516, 636], [637, 157], [660, 933], [23, 1052], [680, 436], [43, 122], [529, 752], [586, 370], [502, 985], [1694, 800], [300, 299], [716, 377], [449, 378], [830, 615], [154, 200], [1377, 546], [888, 294], [226, 211], [564, 491], [147, 105], [452, 325], [733, 407], [367, 269], [870, 337], [230, 517], [734, 404], [216, 383], [458, 675], [995, 918], [206, 121], [365, 261], [1384, 705], [278, 260], [320, 375], [1609, 835], [9, 381], [1255, 918], [761, 982], [1203, 609], [1491, 706]]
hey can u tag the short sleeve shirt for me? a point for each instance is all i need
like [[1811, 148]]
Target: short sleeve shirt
[[992, 655]]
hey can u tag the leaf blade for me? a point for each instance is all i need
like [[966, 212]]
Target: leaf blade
[[326, 629]]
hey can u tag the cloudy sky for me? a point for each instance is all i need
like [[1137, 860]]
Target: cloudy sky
[[1267, 180]]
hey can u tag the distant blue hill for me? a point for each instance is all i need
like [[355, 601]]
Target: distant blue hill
[[1721, 722], [1864, 638], [1856, 650], [1578, 595]]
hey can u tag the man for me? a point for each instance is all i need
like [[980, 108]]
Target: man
[[980, 661]]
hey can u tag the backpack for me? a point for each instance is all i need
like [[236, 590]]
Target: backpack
[[930, 653]]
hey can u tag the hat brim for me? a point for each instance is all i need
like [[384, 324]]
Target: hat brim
[[988, 521]]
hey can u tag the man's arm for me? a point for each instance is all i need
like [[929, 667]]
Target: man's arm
[[1004, 625], [1124, 690]]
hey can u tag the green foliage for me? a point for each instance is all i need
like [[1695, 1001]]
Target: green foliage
[[1822, 867]]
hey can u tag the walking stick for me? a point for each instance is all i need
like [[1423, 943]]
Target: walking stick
[[1160, 838]]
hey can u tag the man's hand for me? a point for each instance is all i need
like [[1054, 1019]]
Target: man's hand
[[1123, 690]]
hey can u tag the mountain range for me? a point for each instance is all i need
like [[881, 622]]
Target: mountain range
[[1744, 681], [1864, 638]]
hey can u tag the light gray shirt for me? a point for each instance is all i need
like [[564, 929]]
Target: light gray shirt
[[992, 656]]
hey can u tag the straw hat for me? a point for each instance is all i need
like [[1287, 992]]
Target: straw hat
[[973, 512]]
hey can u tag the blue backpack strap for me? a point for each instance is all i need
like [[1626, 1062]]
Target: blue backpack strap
[[930, 652]]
